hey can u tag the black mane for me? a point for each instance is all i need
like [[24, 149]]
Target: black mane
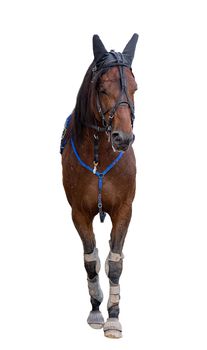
[[83, 111]]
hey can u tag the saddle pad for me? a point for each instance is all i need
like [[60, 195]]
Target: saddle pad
[[65, 134]]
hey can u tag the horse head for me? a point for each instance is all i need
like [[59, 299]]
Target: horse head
[[115, 86]]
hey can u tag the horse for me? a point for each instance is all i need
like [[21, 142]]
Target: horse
[[99, 169]]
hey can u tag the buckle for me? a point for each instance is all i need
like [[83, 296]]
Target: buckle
[[95, 164]]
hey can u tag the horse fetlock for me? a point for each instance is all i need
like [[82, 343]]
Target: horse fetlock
[[113, 301], [95, 289], [114, 296]]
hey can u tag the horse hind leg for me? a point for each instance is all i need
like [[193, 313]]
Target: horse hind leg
[[92, 265]]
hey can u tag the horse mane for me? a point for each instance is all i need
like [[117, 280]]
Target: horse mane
[[83, 111]]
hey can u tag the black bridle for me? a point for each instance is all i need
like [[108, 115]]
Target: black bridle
[[112, 59]]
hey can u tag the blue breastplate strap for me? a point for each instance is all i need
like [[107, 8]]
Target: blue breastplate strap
[[99, 175]]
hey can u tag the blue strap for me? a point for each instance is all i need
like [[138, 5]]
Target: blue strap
[[97, 173], [113, 163], [78, 157], [100, 182]]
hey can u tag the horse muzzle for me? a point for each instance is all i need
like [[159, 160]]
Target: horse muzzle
[[121, 141]]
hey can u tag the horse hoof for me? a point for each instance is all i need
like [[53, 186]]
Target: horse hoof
[[112, 328], [95, 319]]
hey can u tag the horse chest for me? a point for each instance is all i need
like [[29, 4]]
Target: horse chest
[[82, 188]]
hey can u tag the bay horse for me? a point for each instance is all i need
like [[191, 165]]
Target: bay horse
[[99, 168]]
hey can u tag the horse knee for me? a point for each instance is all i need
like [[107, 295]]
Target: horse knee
[[113, 266]]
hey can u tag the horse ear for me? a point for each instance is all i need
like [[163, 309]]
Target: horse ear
[[129, 49], [98, 48]]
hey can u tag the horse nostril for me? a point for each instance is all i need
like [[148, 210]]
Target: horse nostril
[[116, 137], [115, 134]]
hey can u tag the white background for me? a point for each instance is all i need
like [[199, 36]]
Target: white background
[[45, 51]]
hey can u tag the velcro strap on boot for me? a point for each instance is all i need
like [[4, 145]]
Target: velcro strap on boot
[[95, 289], [114, 295], [114, 289], [93, 257], [115, 256]]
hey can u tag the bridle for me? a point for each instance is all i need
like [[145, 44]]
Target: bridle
[[112, 59], [123, 97]]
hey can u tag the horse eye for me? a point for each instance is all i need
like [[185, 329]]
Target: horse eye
[[103, 92]]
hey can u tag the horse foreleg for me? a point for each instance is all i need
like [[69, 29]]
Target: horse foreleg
[[113, 267], [92, 265]]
